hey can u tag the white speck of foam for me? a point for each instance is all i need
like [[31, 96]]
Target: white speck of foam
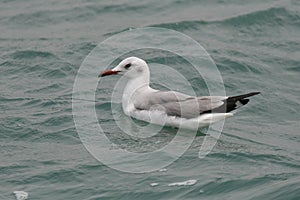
[[21, 195], [184, 183], [154, 184], [162, 170]]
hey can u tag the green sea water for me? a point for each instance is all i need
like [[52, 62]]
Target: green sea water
[[255, 45]]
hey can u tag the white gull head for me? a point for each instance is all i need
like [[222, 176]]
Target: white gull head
[[138, 74], [131, 67]]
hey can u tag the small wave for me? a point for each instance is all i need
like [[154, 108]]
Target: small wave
[[270, 17], [294, 69], [55, 73], [30, 54], [53, 87], [53, 70], [70, 13], [183, 25], [236, 66]]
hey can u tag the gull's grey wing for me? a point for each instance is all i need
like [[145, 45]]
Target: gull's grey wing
[[178, 104], [189, 108], [146, 101]]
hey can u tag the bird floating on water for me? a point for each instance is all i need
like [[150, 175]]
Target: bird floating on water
[[170, 108]]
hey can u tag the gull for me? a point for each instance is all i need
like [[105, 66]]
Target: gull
[[170, 108]]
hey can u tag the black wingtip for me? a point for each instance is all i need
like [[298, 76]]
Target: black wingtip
[[254, 93], [244, 101], [232, 103], [243, 96], [250, 94]]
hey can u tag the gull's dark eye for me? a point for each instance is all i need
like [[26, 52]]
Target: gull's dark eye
[[127, 66]]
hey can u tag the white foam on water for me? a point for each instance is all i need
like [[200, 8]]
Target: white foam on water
[[184, 183], [162, 170], [21, 195], [154, 184]]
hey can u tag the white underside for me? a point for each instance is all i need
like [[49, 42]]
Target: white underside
[[161, 118]]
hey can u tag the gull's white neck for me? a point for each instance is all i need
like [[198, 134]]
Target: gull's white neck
[[135, 88]]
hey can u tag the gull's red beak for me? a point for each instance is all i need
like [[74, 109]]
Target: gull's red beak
[[108, 72]]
